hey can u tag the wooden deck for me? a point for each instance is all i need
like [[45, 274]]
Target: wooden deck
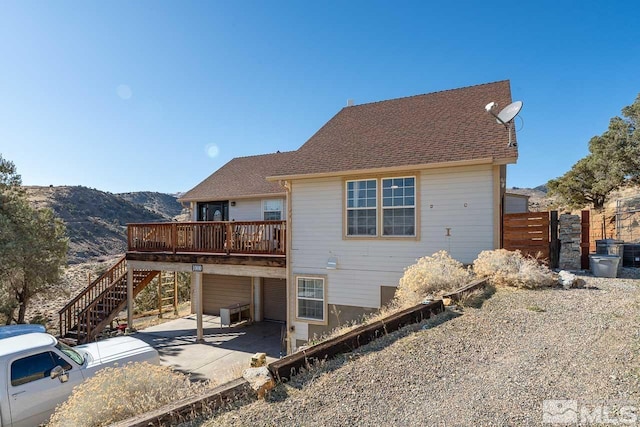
[[222, 238]]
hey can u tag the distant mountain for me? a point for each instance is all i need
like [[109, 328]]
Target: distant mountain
[[96, 220], [163, 204], [542, 188]]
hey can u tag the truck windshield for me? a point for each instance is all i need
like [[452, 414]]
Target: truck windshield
[[74, 355]]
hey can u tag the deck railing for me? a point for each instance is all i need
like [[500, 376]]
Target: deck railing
[[212, 237]]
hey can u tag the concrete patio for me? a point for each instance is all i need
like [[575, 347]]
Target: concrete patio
[[224, 348]]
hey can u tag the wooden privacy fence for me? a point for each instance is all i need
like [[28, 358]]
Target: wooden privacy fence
[[532, 234], [536, 234]]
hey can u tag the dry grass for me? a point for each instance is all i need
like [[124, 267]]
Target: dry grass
[[430, 277], [115, 394], [509, 268]]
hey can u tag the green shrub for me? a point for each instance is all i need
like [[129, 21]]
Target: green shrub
[[115, 394], [429, 277], [511, 268]]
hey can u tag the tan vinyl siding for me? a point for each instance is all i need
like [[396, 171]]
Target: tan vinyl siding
[[246, 210], [366, 264], [274, 294], [251, 209], [221, 291]]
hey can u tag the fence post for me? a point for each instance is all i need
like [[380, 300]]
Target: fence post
[[585, 242], [554, 242]]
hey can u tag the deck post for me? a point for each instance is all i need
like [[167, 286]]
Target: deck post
[[130, 327], [196, 280], [256, 285]]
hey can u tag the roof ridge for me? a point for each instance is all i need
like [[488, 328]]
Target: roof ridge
[[264, 154], [428, 93]]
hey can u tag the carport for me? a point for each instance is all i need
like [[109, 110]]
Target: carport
[[222, 349]]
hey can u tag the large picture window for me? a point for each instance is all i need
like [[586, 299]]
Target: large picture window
[[310, 296], [362, 203], [398, 206]]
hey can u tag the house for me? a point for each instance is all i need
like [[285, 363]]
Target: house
[[320, 236]]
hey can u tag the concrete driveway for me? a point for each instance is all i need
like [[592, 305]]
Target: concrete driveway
[[224, 351]]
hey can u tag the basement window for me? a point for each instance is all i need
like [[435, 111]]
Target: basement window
[[311, 298]]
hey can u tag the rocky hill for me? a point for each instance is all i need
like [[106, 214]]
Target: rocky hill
[[96, 220], [163, 204], [539, 200]]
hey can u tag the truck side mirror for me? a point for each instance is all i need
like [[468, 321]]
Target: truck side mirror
[[58, 372]]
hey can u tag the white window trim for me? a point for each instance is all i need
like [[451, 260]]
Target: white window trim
[[355, 208], [264, 210], [325, 302], [380, 209], [415, 210]]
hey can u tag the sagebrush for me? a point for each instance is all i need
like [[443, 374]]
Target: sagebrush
[[115, 394], [511, 268], [429, 277]]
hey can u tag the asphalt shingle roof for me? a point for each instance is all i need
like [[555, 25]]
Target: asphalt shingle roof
[[446, 126], [439, 127], [240, 177]]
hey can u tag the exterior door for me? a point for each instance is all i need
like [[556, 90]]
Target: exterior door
[[274, 298], [213, 211]]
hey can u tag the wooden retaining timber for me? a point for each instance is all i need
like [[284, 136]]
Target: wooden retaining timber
[[288, 366], [472, 286], [184, 409]]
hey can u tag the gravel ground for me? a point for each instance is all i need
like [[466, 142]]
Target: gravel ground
[[493, 365]]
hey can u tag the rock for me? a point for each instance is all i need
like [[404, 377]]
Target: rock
[[568, 280], [447, 301], [258, 360], [260, 380]]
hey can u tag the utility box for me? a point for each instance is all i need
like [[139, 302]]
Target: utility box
[[609, 247], [631, 255], [603, 265]]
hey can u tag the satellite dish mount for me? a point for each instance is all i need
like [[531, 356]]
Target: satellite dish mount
[[505, 116]]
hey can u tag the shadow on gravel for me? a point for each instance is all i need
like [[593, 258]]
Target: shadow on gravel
[[317, 369], [477, 298]]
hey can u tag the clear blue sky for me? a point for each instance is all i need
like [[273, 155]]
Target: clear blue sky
[[156, 95]]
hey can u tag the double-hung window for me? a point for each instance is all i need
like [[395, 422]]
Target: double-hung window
[[388, 213], [272, 210], [311, 298], [398, 206], [362, 207]]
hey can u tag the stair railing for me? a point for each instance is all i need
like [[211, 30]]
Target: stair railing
[[69, 315]]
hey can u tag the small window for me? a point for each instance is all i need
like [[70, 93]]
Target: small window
[[399, 207], [311, 298], [362, 201], [35, 367], [272, 210]]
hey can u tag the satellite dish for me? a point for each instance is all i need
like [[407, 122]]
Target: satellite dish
[[509, 112], [505, 116]]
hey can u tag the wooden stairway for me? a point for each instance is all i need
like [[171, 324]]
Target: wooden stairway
[[86, 315]]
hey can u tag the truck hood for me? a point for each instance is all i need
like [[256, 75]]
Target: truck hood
[[118, 350]]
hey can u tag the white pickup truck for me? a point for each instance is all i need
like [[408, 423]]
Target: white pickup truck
[[37, 372]]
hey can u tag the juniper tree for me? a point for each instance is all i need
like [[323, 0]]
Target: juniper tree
[[613, 162]]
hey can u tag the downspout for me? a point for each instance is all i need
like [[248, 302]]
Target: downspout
[[289, 227]]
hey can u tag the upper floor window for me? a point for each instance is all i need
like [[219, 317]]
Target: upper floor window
[[362, 202], [272, 209], [396, 201], [398, 206]]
